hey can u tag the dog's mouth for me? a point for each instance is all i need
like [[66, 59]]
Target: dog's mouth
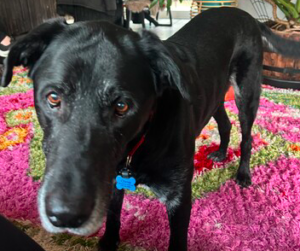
[[89, 227]]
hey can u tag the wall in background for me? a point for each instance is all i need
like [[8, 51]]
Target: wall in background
[[247, 6]]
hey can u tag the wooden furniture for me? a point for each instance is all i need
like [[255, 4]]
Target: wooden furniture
[[20, 16], [199, 6]]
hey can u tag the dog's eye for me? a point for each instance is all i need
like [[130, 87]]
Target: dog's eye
[[54, 100], [121, 108]]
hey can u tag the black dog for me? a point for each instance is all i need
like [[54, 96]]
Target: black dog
[[105, 95]]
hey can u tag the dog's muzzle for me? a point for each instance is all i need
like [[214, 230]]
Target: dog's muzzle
[[61, 214]]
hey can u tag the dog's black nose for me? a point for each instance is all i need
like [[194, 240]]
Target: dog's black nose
[[67, 220], [68, 215]]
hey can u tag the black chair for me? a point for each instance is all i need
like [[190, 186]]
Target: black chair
[[139, 18]]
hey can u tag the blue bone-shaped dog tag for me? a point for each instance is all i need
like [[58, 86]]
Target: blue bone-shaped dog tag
[[125, 183]]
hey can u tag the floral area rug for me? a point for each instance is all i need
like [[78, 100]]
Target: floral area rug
[[265, 216]]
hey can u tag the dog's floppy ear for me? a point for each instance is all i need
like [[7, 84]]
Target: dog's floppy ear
[[166, 71], [29, 49]]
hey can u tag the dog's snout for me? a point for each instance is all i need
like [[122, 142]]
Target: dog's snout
[[64, 214]]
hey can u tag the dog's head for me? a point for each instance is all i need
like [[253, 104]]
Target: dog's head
[[95, 86]]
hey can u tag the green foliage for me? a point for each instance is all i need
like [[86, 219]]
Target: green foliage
[[290, 9]]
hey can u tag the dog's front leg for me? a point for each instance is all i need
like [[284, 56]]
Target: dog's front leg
[[111, 237], [179, 218]]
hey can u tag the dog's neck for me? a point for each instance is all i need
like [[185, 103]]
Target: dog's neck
[[134, 145], [138, 141]]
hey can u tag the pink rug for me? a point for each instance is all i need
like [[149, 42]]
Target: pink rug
[[264, 217]]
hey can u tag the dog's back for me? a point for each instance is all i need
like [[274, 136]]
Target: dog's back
[[223, 31], [218, 31], [220, 43]]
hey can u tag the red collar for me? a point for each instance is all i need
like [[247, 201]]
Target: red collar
[[136, 147], [132, 152]]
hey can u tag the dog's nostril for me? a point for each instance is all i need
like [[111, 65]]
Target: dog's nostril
[[67, 220], [68, 214], [55, 221]]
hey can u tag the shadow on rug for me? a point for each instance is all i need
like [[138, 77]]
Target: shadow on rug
[[265, 216]]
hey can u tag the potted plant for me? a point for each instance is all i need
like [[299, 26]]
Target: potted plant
[[281, 71], [291, 11]]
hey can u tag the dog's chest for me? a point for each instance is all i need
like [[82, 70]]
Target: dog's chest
[[169, 190], [165, 195]]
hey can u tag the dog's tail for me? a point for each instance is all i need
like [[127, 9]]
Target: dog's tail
[[280, 45]]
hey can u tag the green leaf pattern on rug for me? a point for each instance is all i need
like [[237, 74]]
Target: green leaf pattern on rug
[[20, 82], [37, 158], [293, 99]]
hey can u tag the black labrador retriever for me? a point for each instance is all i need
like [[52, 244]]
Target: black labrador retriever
[[120, 109]]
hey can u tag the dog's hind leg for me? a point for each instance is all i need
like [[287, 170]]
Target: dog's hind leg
[[247, 93], [224, 127]]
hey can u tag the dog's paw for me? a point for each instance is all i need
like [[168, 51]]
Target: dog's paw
[[217, 156], [107, 244], [243, 179]]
